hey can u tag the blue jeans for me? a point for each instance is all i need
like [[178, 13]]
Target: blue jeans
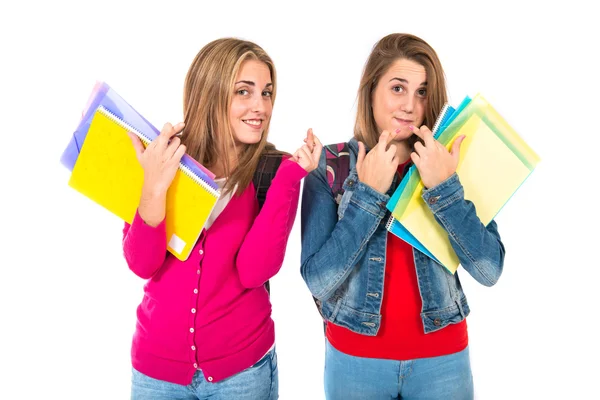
[[446, 377], [259, 382]]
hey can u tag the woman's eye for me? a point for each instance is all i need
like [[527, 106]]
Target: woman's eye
[[243, 92], [398, 89], [267, 93]]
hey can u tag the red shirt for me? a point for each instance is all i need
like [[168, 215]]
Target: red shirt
[[401, 335]]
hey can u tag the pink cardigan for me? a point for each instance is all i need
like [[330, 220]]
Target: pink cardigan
[[212, 311]]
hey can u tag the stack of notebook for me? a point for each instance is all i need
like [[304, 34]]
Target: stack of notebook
[[105, 169], [494, 162]]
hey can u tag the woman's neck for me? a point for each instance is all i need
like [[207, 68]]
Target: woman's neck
[[403, 151], [218, 168]]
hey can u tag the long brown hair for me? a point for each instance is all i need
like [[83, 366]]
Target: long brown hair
[[207, 98], [385, 52]]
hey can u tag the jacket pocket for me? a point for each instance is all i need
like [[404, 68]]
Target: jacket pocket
[[438, 319]]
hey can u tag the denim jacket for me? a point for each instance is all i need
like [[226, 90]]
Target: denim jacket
[[344, 248]]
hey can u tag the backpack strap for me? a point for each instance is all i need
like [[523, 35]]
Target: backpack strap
[[267, 167], [337, 157]]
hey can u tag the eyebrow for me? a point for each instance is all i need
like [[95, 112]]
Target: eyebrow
[[250, 83], [405, 81]]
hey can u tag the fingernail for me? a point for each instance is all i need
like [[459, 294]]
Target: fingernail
[[411, 127], [397, 130]]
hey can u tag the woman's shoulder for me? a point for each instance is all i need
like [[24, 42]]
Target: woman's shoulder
[[270, 151]]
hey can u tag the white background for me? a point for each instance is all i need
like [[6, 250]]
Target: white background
[[67, 298]]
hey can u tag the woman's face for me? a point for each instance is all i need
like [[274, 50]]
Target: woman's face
[[251, 104], [400, 98]]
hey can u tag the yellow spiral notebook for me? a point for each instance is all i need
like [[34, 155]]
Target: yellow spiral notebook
[[108, 172]]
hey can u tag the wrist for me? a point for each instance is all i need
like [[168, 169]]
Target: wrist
[[153, 192]]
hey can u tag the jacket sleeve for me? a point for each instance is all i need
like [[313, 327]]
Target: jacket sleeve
[[479, 248], [331, 248], [262, 252], [144, 246]]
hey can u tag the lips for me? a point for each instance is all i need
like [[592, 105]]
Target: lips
[[404, 122], [253, 123]]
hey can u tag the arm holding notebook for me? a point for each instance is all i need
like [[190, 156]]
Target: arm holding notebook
[[159, 162], [144, 241], [478, 247]]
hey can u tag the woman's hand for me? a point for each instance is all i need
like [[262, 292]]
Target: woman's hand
[[434, 162], [160, 159], [377, 168], [309, 154]]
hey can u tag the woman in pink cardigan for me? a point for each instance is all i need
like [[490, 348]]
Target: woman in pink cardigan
[[204, 327]]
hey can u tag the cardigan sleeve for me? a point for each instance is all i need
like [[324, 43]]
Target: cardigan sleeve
[[144, 246], [262, 252]]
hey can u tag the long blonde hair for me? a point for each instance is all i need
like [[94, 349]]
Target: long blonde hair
[[207, 99], [386, 51]]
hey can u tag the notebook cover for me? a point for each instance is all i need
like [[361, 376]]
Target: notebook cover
[[107, 171]]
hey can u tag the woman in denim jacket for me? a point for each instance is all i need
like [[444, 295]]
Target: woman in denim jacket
[[395, 319]]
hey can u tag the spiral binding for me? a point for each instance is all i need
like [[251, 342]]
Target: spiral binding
[[183, 168], [389, 223], [440, 118]]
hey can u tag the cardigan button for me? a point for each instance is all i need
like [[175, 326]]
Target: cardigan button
[[210, 378]]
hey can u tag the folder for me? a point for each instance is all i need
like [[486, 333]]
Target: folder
[[108, 172], [494, 162]]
